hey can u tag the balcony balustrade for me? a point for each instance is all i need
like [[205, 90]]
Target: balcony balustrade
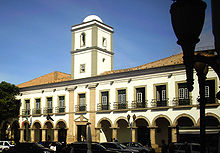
[[36, 111], [139, 104], [177, 101], [161, 103], [48, 110], [60, 109], [101, 107], [26, 112], [80, 108], [120, 105]]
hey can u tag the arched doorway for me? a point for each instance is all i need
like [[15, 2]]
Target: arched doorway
[[143, 132], [37, 132], [106, 131], [212, 133], [163, 132], [61, 126], [49, 131], [15, 134], [184, 123], [5, 131], [123, 132], [27, 133]]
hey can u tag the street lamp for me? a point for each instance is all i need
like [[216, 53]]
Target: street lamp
[[187, 20], [89, 138], [131, 123]]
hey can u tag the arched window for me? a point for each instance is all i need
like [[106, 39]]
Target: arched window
[[83, 40]]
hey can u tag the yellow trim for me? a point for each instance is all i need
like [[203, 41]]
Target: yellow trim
[[176, 88], [78, 98], [25, 103], [100, 95], [94, 36], [155, 90], [81, 45], [111, 44], [35, 102], [58, 102], [73, 40], [216, 83], [135, 91], [47, 100], [84, 68], [116, 93]]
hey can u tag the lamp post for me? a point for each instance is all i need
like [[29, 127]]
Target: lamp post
[[89, 138], [131, 123], [187, 20]]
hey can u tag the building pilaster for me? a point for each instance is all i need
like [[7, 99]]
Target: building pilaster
[[43, 135], [114, 133], [97, 134], [92, 115], [134, 129], [56, 135], [21, 135], [153, 136], [70, 131], [174, 133], [32, 135]]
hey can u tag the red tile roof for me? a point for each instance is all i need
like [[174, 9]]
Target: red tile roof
[[45, 79]]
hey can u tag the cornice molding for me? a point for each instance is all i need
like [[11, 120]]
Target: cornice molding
[[90, 24], [90, 48], [113, 76]]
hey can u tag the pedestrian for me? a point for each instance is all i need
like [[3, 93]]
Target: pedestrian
[[164, 146], [115, 140]]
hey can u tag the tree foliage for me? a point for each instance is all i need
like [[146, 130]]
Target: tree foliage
[[9, 105]]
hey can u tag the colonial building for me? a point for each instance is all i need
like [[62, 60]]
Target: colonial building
[[145, 104]]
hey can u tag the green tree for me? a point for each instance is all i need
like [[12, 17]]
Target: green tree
[[9, 105]]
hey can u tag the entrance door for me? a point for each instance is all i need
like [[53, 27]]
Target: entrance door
[[143, 135], [62, 135], [81, 133]]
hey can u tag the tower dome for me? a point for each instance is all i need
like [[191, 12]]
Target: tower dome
[[92, 17]]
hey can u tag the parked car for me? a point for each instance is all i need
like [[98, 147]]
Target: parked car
[[81, 147], [184, 148], [28, 147], [55, 146], [116, 146], [5, 145], [139, 147]]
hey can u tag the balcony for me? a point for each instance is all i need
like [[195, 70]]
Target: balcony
[[120, 105], [36, 111], [139, 104], [80, 108], [48, 110], [101, 107], [210, 100], [177, 101], [26, 112], [162, 103], [61, 109]]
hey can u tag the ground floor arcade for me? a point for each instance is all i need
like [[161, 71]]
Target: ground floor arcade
[[183, 128]]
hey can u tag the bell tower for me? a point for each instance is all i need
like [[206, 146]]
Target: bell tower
[[92, 48]]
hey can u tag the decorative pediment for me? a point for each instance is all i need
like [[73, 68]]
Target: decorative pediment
[[81, 119]]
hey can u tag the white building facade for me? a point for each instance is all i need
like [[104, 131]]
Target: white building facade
[[144, 104]]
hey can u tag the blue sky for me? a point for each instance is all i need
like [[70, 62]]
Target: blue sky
[[35, 37]]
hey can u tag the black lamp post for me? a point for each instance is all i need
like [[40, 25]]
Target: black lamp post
[[187, 21], [131, 123]]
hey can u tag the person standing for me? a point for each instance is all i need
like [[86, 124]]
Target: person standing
[[164, 146]]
